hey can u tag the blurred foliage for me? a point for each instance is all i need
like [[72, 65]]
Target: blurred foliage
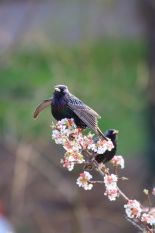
[[108, 76]]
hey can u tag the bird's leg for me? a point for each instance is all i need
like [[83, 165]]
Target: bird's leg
[[103, 168], [88, 166]]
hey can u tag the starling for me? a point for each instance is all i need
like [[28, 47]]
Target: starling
[[65, 105], [108, 155]]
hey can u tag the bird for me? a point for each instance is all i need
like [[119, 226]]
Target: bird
[[108, 155], [65, 105]]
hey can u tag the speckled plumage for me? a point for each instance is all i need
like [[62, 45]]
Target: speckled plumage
[[60, 109], [65, 105]]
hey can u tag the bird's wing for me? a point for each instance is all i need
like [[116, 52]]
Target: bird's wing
[[85, 113]]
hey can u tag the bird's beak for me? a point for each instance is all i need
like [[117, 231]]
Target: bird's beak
[[116, 132], [41, 106], [57, 89]]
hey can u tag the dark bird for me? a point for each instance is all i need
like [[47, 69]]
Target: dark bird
[[65, 105], [108, 155]]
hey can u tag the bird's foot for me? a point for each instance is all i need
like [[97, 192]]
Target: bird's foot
[[103, 168], [88, 166]]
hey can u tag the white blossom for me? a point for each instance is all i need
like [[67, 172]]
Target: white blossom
[[133, 209], [85, 140], [72, 158], [112, 193], [110, 182], [101, 146], [56, 135], [118, 160], [67, 164], [83, 180], [71, 146], [65, 132], [62, 129], [148, 218]]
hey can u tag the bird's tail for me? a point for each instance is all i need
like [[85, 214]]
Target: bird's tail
[[101, 135], [41, 106]]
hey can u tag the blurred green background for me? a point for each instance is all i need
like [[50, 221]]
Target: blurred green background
[[104, 52], [109, 76]]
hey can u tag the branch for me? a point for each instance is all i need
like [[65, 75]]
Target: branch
[[82, 149]]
